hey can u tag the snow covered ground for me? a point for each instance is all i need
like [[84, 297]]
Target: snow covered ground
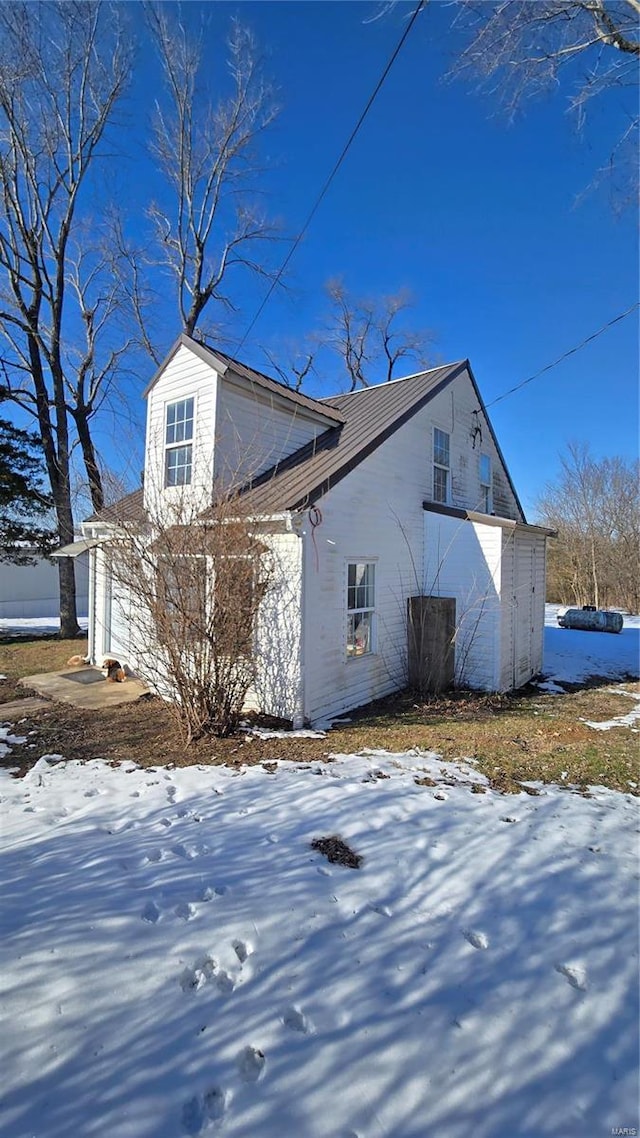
[[573, 656], [177, 960], [34, 625]]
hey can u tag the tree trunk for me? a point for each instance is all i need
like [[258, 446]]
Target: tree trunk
[[69, 627], [90, 461]]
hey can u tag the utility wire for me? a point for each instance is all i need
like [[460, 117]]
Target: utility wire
[[564, 356], [337, 166]]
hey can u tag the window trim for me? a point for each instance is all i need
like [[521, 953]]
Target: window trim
[[486, 487], [371, 562], [441, 466], [185, 443]]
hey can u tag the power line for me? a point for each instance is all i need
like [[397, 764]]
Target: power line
[[337, 166], [564, 356]]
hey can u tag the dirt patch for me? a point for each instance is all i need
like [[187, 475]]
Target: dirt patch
[[528, 736], [337, 851]]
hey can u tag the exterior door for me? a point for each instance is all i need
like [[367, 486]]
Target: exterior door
[[523, 609]]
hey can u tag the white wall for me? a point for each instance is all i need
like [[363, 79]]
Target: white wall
[[278, 634], [185, 375], [452, 411], [463, 560], [33, 590], [374, 513], [254, 430]]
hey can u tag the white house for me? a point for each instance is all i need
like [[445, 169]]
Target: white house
[[369, 498]]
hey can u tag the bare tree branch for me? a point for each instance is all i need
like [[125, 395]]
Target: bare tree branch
[[367, 337], [63, 70], [522, 48], [206, 153]]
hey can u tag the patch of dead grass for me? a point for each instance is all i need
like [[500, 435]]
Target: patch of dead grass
[[525, 737]]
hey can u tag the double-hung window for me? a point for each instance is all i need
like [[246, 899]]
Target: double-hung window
[[179, 443], [485, 483], [361, 606], [441, 468]]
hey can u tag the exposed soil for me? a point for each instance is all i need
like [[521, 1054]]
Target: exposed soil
[[525, 736]]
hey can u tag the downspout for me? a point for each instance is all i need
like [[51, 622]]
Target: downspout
[[295, 524], [93, 554]]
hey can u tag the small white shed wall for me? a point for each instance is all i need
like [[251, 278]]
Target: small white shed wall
[[34, 590], [463, 560], [524, 591]]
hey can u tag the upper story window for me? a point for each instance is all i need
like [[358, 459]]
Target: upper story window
[[179, 443], [361, 606], [486, 504], [441, 467]]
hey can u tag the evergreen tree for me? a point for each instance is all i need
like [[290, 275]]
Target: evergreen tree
[[24, 505]]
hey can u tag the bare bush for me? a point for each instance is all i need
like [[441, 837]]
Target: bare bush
[[195, 585]]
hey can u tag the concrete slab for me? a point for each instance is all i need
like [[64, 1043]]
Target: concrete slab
[[85, 687], [18, 708]]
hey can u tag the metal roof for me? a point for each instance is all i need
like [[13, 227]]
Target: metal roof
[[363, 420], [127, 509], [370, 417]]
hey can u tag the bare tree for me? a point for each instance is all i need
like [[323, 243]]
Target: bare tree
[[194, 583], [298, 366], [367, 336], [522, 48], [63, 69], [595, 507], [211, 230]]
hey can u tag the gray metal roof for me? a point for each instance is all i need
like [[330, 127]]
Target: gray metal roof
[[127, 509], [370, 416], [364, 419]]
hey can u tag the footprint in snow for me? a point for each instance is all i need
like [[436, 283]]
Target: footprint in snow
[[150, 913], [251, 1062], [193, 979], [476, 939], [243, 950], [574, 974], [186, 911], [226, 982], [295, 1019], [203, 1109]]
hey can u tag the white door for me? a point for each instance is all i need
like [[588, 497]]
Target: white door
[[524, 578]]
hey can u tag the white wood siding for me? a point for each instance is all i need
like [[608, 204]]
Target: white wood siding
[[463, 560], [185, 376], [375, 514], [452, 411], [508, 617], [253, 432], [278, 635], [524, 588]]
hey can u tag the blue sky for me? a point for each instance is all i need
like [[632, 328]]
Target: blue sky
[[510, 258]]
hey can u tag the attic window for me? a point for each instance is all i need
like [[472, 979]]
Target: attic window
[[441, 469], [178, 443]]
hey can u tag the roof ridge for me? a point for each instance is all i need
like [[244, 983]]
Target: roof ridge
[[386, 383]]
